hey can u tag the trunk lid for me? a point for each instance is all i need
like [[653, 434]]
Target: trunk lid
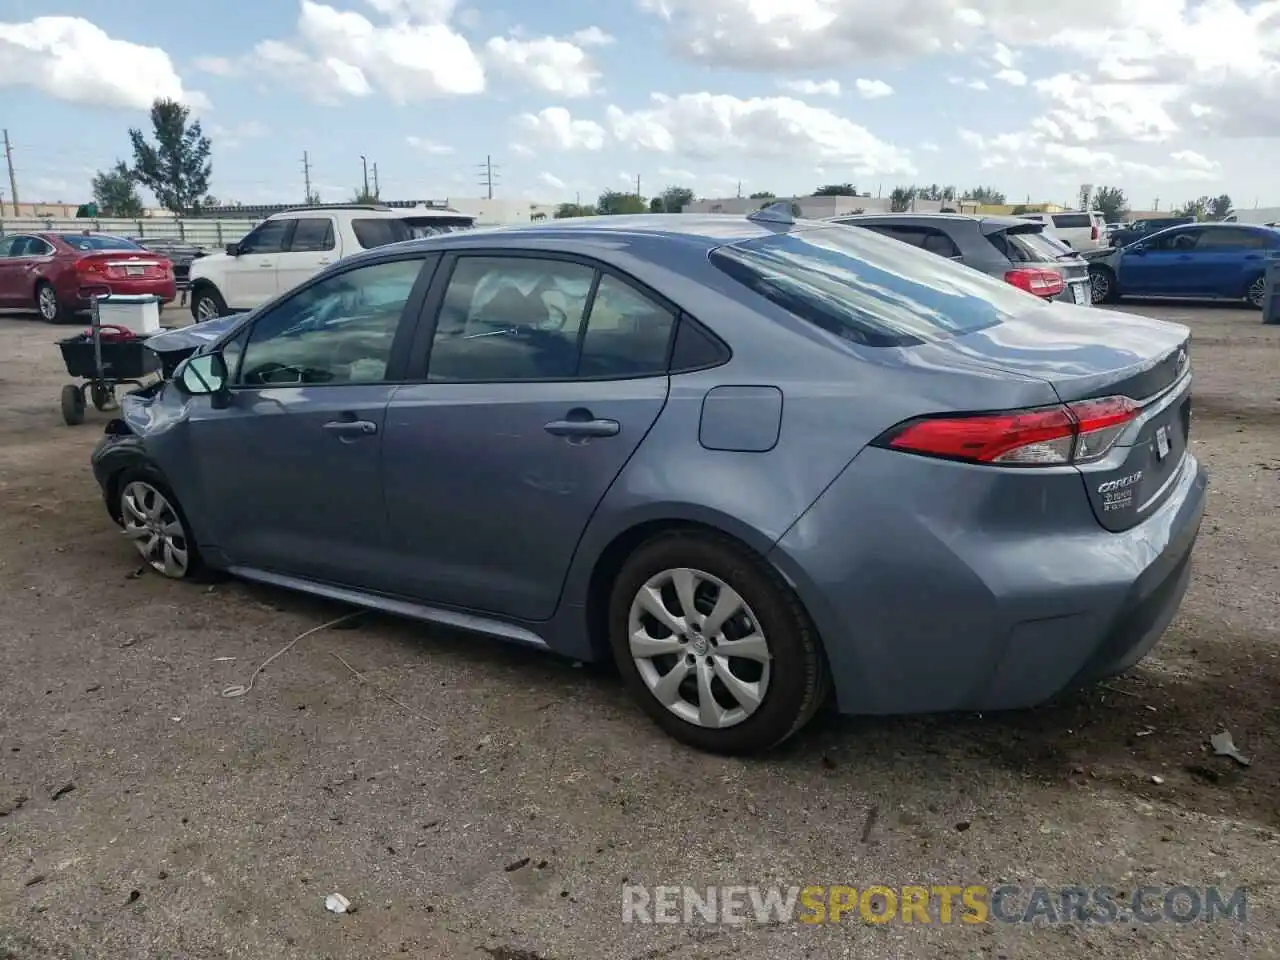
[[124, 265], [1090, 354]]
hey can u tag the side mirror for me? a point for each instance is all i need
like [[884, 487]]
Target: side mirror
[[203, 375], [233, 249]]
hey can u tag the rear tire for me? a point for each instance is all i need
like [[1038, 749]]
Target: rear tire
[[207, 304], [688, 682], [1103, 287], [48, 305], [1256, 294]]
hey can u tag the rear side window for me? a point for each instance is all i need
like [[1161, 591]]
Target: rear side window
[[1233, 238], [312, 235], [1068, 221], [379, 232], [98, 241], [1029, 247], [926, 238], [867, 289]]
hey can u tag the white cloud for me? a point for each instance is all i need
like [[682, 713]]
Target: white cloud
[[706, 125], [428, 146], [554, 128], [231, 137], [977, 84], [552, 181], [929, 147], [218, 66], [1003, 56], [71, 59], [340, 55], [873, 89], [547, 63], [591, 37], [812, 88], [1015, 78], [1032, 150]]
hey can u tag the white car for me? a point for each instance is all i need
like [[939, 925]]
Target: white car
[[1078, 229], [294, 245]]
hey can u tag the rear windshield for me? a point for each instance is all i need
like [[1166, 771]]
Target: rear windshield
[[379, 232], [1030, 247], [1071, 220], [96, 241], [868, 288]]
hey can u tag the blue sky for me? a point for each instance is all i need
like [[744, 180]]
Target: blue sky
[[1169, 99]]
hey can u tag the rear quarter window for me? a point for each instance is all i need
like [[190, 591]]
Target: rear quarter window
[[869, 289], [1069, 221], [1030, 247], [378, 232]]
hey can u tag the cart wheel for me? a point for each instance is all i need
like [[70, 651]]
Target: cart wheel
[[72, 405], [103, 396]]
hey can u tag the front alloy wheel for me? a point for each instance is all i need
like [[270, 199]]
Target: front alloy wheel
[[156, 529], [699, 648]]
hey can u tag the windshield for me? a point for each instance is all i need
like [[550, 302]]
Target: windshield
[[870, 289], [97, 241]]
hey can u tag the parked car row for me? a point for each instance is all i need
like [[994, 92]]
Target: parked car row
[[727, 453]]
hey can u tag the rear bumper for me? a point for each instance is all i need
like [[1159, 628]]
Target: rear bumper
[[925, 605], [166, 290]]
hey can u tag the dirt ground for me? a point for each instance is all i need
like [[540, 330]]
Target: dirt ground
[[477, 801]]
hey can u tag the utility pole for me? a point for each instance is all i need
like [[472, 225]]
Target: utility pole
[[739, 189], [377, 191], [488, 175], [1155, 204], [638, 186], [13, 177], [306, 175], [364, 162]]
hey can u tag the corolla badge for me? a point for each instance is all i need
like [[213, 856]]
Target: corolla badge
[[1111, 486]]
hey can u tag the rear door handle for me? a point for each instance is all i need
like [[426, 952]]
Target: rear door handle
[[351, 428], [583, 428]]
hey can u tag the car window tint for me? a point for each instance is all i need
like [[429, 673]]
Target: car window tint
[[8, 246], [627, 333], [1031, 247], [510, 318], [268, 238], [37, 247], [92, 241], [1232, 238], [1175, 240], [1071, 220], [378, 232], [337, 331], [868, 289], [312, 235]]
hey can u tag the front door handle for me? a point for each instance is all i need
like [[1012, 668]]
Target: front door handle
[[351, 428], [265, 265], [579, 426]]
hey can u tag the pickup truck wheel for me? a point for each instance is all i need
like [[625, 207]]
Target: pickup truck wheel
[[207, 304], [1102, 285]]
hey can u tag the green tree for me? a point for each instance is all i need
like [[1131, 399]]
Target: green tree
[[985, 195], [566, 210], [114, 193], [671, 200], [762, 195], [836, 190], [900, 199], [1111, 203], [616, 202], [177, 168], [1220, 207], [361, 195], [1198, 208], [1018, 210]]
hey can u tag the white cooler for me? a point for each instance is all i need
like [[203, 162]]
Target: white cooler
[[139, 313]]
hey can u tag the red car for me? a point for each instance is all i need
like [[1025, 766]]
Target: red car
[[56, 273]]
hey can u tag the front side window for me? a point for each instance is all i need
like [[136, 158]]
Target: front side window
[[868, 289], [1175, 240], [520, 318], [267, 238], [337, 331]]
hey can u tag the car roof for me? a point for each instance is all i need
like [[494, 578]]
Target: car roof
[[982, 218]]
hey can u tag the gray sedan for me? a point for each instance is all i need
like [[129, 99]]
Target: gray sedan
[[1017, 251], [753, 461]]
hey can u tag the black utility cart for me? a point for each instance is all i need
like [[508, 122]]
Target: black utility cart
[[103, 357]]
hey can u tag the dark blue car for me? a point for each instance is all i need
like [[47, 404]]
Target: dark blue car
[[1213, 261]]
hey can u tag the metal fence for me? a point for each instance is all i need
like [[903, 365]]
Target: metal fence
[[211, 234]]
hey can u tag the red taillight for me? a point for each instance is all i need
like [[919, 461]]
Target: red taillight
[[1043, 283], [91, 268], [1095, 233], [1044, 436]]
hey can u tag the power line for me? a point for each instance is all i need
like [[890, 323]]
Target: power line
[[13, 177], [488, 175]]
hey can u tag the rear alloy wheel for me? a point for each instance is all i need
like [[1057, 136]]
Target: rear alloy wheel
[[47, 303], [151, 519], [1102, 286], [714, 645], [1256, 295]]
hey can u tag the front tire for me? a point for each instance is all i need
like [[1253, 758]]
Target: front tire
[[48, 305], [207, 304], [714, 646], [1103, 287], [154, 522]]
